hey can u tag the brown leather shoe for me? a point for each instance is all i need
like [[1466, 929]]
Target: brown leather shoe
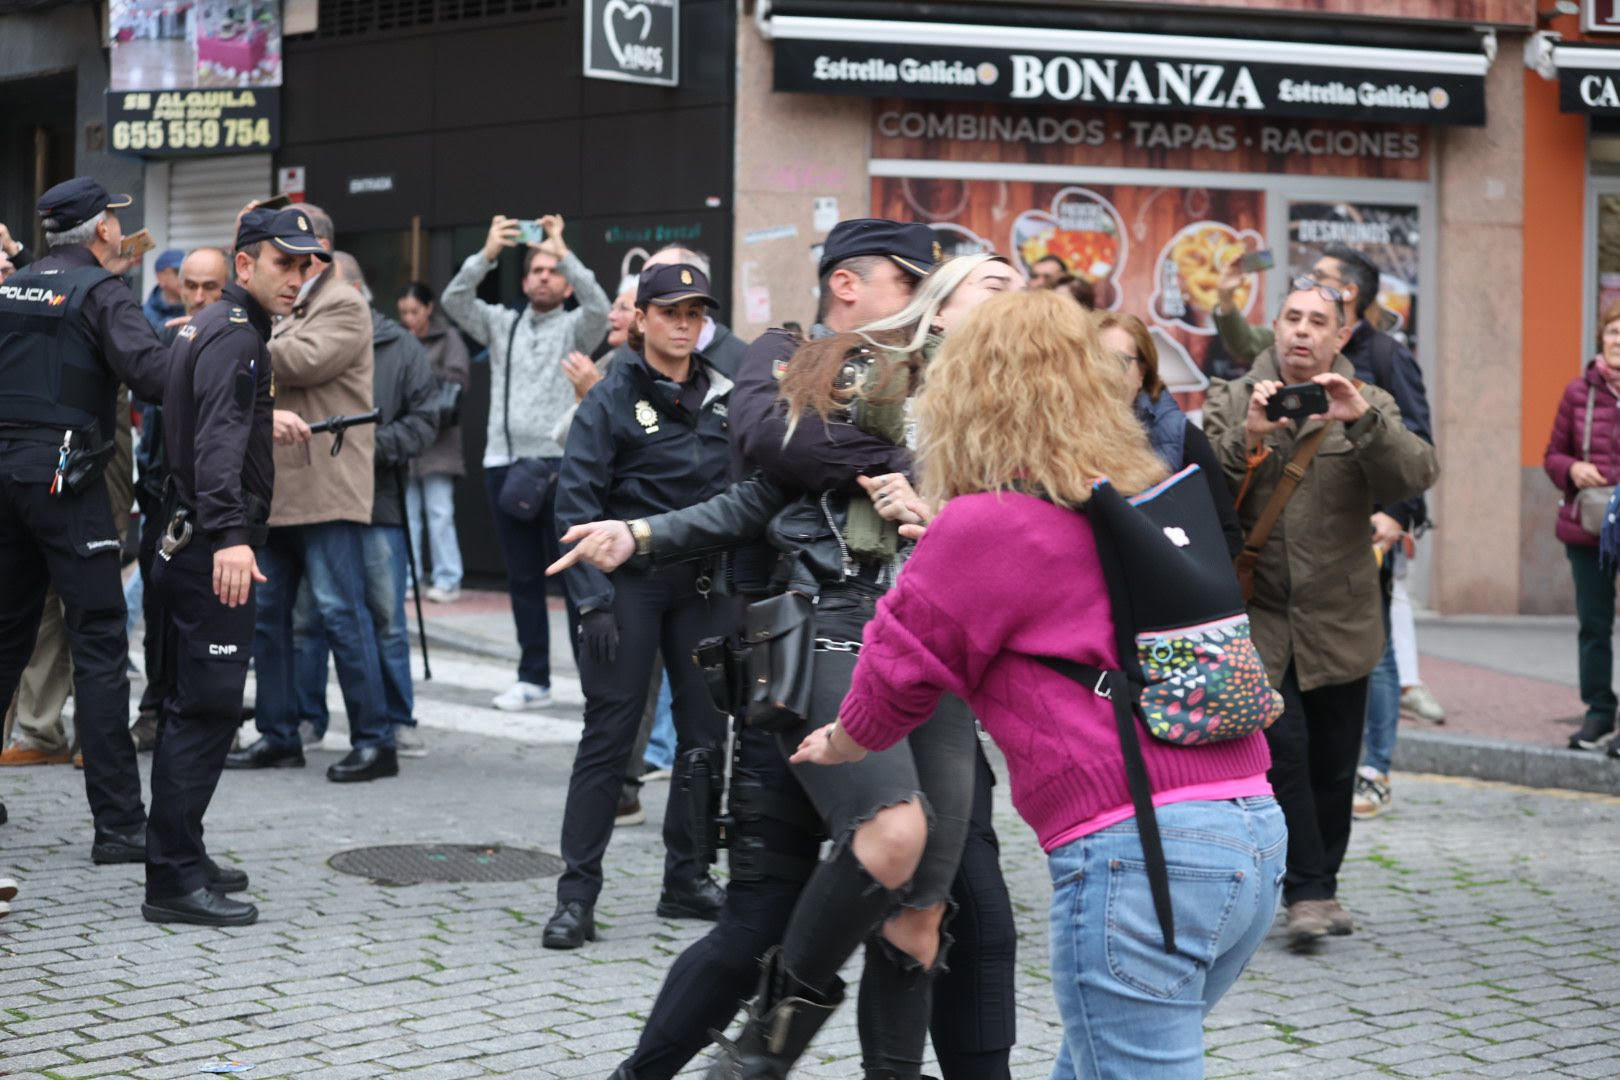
[[1340, 921], [19, 754], [1308, 923]]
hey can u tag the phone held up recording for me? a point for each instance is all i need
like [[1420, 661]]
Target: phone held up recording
[[1298, 402]]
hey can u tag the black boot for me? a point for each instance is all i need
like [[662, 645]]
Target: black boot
[[782, 1019]]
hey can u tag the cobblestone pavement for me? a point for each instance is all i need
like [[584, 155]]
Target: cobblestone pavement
[[1485, 946]]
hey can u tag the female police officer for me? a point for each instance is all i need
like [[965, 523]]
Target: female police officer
[[651, 437]]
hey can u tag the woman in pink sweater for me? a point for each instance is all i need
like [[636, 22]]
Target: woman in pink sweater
[[1003, 578]]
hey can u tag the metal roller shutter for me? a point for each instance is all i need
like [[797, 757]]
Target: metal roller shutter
[[205, 195]]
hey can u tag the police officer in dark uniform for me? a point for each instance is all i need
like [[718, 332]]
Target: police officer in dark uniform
[[70, 331], [652, 436], [217, 438]]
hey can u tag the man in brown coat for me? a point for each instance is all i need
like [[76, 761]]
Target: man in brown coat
[[322, 359], [1316, 614]]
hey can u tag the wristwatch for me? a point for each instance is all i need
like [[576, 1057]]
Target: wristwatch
[[641, 532]]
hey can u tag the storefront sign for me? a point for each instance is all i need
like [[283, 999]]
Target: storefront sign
[[371, 185], [1588, 79], [197, 78], [185, 123], [1210, 84], [1100, 138], [1600, 16], [633, 41]]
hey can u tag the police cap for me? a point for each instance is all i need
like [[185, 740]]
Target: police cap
[[74, 202], [665, 285], [287, 229], [914, 248]]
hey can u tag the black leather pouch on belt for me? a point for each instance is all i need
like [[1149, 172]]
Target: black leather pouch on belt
[[84, 466], [781, 639], [702, 784]]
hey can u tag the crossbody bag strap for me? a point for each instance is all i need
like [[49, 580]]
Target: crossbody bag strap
[[1586, 435], [1293, 473], [1113, 686], [506, 390]]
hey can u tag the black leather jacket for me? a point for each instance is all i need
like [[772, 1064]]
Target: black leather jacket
[[806, 531]]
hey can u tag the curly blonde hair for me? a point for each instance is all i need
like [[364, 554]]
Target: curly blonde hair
[[1023, 396]]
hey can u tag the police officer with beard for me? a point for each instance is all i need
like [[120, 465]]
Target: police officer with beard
[[70, 331], [217, 436]]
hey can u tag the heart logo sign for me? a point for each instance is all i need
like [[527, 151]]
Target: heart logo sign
[[625, 55]]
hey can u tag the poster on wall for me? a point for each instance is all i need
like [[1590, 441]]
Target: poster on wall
[[1155, 252], [194, 77], [1386, 234]]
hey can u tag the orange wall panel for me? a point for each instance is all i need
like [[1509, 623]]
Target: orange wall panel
[[1555, 340]]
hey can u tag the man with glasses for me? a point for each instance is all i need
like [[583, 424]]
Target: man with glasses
[[1314, 609]]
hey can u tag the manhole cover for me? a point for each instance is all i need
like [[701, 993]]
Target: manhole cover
[[410, 864]]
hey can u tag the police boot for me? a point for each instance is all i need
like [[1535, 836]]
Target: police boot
[[782, 1019]]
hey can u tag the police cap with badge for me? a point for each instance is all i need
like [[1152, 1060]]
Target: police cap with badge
[[668, 285], [287, 229], [74, 202], [912, 247]]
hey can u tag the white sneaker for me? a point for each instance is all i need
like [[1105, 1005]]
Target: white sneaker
[[1373, 795], [443, 596], [408, 742], [1421, 702], [522, 695], [8, 889]]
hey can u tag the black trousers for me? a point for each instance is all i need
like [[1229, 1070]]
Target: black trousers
[[69, 541], [974, 1013], [1315, 746], [704, 985], [207, 646], [659, 612]]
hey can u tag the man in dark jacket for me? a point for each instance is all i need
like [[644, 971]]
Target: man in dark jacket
[[165, 302], [403, 390]]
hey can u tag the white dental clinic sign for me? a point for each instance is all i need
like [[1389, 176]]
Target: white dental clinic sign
[[633, 41], [1213, 83]]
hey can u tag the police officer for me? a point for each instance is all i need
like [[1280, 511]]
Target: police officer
[[70, 331], [217, 438], [651, 437]]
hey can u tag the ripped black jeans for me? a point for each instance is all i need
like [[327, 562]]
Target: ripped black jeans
[[935, 763]]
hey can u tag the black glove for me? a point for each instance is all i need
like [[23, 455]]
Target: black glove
[[599, 636]]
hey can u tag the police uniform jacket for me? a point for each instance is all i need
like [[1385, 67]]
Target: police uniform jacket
[[217, 424], [129, 350], [633, 451]]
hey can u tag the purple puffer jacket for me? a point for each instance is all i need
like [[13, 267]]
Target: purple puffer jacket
[[1564, 447]]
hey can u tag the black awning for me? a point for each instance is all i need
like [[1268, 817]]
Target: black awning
[[1588, 79], [1045, 63]]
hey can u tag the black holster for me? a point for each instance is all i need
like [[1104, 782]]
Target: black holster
[[85, 465], [702, 784], [781, 638]]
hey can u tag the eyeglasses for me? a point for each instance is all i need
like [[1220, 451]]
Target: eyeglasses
[[1126, 359], [1306, 283]]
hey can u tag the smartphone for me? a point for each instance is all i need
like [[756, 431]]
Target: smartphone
[[137, 244], [1256, 261], [275, 202], [530, 232], [1298, 401]]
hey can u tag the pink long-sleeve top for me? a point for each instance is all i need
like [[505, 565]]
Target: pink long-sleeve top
[[1000, 579]]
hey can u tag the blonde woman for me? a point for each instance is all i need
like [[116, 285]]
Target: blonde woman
[[1023, 410]]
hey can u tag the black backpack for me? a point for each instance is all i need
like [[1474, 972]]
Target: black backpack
[[1188, 667]]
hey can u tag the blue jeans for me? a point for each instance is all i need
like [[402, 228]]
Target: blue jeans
[[437, 495], [660, 752], [1130, 1011], [332, 556], [1383, 712], [385, 600]]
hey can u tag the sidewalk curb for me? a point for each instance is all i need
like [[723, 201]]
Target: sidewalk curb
[[1506, 761]]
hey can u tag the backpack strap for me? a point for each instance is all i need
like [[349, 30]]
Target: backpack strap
[[1117, 690]]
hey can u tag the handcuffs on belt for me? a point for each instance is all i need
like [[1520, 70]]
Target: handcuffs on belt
[[176, 535]]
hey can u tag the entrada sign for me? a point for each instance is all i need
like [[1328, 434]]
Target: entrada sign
[[884, 69], [633, 41]]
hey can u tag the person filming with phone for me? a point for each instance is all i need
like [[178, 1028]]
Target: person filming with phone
[[530, 392], [1308, 451]]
